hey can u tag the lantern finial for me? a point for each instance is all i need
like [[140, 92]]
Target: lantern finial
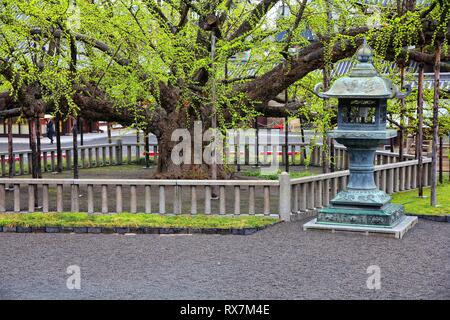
[[364, 53]]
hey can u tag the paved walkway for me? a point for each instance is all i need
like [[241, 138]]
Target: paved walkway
[[277, 263]]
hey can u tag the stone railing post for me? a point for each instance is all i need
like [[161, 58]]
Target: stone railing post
[[285, 197]]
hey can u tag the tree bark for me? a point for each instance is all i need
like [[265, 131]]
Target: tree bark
[[326, 73], [435, 142], [419, 142], [325, 141], [147, 148], [109, 132], [75, 148], [58, 143], [10, 149], [441, 157], [401, 137], [38, 148], [32, 139]]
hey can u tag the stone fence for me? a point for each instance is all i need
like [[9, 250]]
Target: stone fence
[[286, 198], [307, 195], [119, 153]]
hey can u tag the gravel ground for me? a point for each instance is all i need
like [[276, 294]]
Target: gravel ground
[[282, 262]]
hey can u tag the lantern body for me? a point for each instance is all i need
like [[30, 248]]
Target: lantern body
[[362, 114]]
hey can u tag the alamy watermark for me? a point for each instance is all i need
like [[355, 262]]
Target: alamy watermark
[[373, 282], [74, 280], [210, 147]]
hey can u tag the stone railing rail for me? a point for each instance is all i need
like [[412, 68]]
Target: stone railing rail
[[286, 198], [126, 153]]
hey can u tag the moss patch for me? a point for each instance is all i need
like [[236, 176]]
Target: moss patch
[[415, 205], [258, 174], [132, 220]]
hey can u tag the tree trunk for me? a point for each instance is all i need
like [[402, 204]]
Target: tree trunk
[[109, 133], [302, 130], [419, 141], [167, 169], [401, 137], [257, 142], [332, 166], [435, 126], [58, 143], [38, 160], [34, 156], [441, 157], [38, 148], [178, 119], [286, 142], [138, 149], [325, 140], [326, 155], [10, 149], [165, 146], [32, 127], [147, 149], [213, 106], [75, 148]]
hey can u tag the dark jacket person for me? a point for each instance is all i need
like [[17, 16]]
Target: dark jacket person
[[50, 131]]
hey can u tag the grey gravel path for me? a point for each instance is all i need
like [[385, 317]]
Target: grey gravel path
[[282, 262]]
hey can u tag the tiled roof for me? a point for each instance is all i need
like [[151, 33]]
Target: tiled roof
[[343, 67], [428, 83]]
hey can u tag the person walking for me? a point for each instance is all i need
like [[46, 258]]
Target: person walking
[[50, 130]]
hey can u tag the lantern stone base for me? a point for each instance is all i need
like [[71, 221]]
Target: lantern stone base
[[398, 231], [387, 216]]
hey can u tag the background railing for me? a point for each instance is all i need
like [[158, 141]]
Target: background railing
[[286, 198], [89, 156], [119, 153]]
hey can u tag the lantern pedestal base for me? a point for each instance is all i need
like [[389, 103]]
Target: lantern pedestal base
[[398, 231], [385, 217]]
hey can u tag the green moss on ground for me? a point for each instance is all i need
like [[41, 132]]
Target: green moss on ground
[[132, 220], [415, 205], [293, 174]]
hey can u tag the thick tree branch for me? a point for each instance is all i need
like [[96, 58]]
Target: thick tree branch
[[294, 27], [183, 17], [310, 58], [156, 9], [255, 16]]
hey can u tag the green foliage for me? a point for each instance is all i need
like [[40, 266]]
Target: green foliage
[[147, 43], [132, 220]]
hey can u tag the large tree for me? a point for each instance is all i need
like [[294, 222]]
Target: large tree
[[148, 63]]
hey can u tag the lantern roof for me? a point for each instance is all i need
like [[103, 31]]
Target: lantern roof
[[363, 81]]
